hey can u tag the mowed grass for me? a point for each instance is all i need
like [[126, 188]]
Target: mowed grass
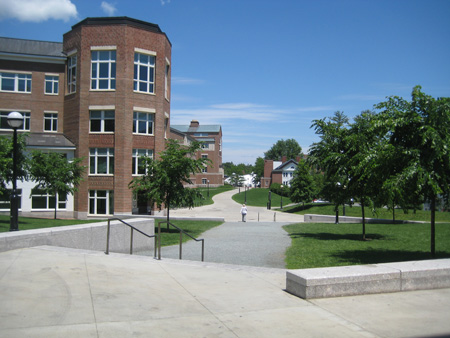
[[193, 228], [327, 244], [258, 197], [355, 211], [207, 197], [29, 223]]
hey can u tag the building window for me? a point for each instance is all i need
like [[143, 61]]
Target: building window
[[137, 163], [101, 161], [205, 145], [4, 121], [44, 201], [72, 74], [166, 83], [50, 122], [101, 121], [166, 127], [51, 84], [103, 69], [143, 123], [144, 73], [204, 181], [15, 82], [205, 169], [5, 199], [101, 202]]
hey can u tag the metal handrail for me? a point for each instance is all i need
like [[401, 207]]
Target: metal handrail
[[181, 239], [131, 235]]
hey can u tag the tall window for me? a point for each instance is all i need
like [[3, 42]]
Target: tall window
[[72, 74], [15, 82], [43, 200], [143, 123], [144, 73], [50, 122], [101, 121], [52, 84], [103, 69], [101, 161], [4, 121], [166, 83], [101, 202], [137, 162]]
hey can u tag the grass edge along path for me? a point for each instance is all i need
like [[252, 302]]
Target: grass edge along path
[[315, 245], [30, 223]]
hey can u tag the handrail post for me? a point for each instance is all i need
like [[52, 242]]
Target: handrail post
[[155, 245], [181, 244], [203, 250], [107, 238], [159, 240], [131, 242]]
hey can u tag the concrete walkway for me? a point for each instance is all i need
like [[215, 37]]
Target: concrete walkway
[[60, 292], [225, 207]]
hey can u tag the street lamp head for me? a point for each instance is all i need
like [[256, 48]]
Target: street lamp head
[[15, 120]]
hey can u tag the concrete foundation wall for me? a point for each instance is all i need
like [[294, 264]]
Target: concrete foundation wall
[[85, 236]]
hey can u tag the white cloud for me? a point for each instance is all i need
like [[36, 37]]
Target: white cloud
[[38, 10], [185, 80], [163, 2], [108, 8]]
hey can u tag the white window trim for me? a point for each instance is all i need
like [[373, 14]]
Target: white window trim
[[151, 53], [153, 123], [109, 78], [45, 81], [102, 122], [23, 112], [50, 112], [135, 158], [145, 51], [95, 198], [69, 56], [16, 91], [108, 159]]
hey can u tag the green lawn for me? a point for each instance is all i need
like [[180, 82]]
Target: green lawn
[[327, 244], [259, 197], [328, 209], [29, 223], [193, 228], [207, 200]]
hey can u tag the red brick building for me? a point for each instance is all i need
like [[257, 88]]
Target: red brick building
[[210, 137], [103, 94]]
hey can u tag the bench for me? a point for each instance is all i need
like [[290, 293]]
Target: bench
[[368, 279]]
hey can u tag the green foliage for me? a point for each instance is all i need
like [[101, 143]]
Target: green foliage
[[289, 148], [324, 244], [302, 185], [164, 178], [6, 160], [280, 189], [259, 170], [54, 174], [230, 168]]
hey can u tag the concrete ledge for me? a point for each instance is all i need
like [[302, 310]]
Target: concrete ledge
[[368, 279], [91, 236], [312, 218]]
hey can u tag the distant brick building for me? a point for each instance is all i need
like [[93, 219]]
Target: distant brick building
[[211, 138], [281, 172], [103, 94]]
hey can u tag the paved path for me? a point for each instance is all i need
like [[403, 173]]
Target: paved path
[[252, 243], [225, 207], [255, 243]]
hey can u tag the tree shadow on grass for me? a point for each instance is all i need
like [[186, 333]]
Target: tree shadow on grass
[[327, 236], [373, 256], [306, 207]]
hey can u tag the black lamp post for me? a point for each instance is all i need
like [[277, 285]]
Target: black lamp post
[[15, 121], [245, 193], [281, 203], [208, 187]]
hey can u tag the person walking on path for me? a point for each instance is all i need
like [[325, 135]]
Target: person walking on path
[[244, 213]]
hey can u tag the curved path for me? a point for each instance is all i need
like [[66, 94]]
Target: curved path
[[255, 243]]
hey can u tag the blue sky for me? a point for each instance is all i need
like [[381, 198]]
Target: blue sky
[[264, 69]]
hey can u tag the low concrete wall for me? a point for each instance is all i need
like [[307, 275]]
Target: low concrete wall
[[90, 236], [312, 218], [368, 279]]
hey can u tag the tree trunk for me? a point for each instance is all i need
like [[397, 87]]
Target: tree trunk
[[393, 212], [363, 220], [433, 229], [56, 204], [337, 214]]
